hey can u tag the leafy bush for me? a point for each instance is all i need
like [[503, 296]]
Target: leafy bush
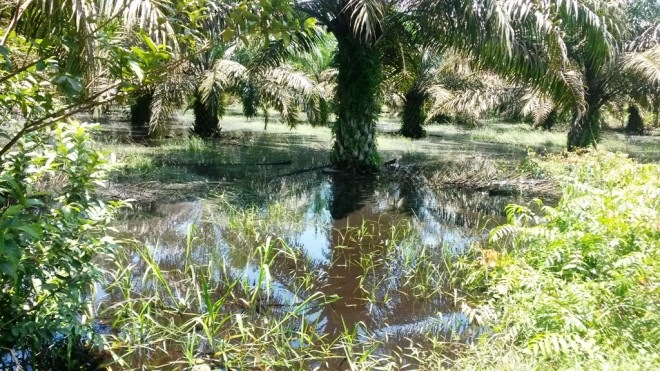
[[52, 228], [577, 285]]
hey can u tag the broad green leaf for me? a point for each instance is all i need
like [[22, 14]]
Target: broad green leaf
[[32, 230]]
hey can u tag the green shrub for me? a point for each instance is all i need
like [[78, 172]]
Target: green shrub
[[577, 285], [52, 228]]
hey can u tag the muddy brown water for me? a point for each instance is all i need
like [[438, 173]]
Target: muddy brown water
[[329, 209]]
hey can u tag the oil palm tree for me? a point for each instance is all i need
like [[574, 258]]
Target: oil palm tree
[[83, 20], [82, 26], [257, 77], [465, 93], [248, 67], [433, 86], [317, 62], [280, 87], [603, 79], [356, 25], [517, 38], [598, 62], [152, 104], [642, 64], [409, 70], [89, 42], [629, 74]]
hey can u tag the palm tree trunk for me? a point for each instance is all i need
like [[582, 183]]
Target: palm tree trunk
[[141, 115], [413, 115], [585, 130], [549, 121], [586, 127], [206, 123], [635, 123], [656, 110], [358, 84]]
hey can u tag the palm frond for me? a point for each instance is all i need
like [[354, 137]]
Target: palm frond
[[537, 106], [225, 76], [168, 97], [287, 90], [521, 40], [646, 65], [327, 83], [649, 38], [439, 97], [151, 16], [366, 17]]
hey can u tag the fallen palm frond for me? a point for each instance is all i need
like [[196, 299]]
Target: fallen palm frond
[[483, 175]]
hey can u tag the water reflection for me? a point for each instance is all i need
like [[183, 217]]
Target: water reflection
[[342, 229]]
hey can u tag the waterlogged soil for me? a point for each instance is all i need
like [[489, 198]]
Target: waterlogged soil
[[374, 244]]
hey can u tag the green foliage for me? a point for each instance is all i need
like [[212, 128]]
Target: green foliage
[[38, 90], [265, 20], [576, 284], [51, 229], [57, 60]]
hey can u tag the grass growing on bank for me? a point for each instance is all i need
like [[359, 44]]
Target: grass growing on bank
[[247, 149], [185, 159], [523, 136], [576, 286]]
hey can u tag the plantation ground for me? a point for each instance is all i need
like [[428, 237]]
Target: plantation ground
[[377, 271]]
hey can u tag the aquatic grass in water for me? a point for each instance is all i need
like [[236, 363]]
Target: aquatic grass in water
[[226, 320], [265, 302], [286, 272]]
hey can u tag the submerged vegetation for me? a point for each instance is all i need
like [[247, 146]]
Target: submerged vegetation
[[567, 286], [329, 236]]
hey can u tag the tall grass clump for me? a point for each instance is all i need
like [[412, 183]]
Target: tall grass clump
[[576, 285], [259, 300], [214, 315]]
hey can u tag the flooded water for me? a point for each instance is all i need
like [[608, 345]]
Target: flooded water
[[375, 245]]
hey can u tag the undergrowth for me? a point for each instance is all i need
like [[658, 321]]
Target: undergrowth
[[574, 286]]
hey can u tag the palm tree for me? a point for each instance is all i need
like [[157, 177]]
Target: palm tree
[[630, 73], [409, 72], [446, 86], [280, 87], [152, 105], [356, 26], [519, 39], [89, 23], [317, 62], [257, 76], [85, 18], [642, 64], [632, 64], [89, 42]]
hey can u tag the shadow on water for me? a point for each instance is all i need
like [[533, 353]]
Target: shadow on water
[[377, 245], [366, 240]]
